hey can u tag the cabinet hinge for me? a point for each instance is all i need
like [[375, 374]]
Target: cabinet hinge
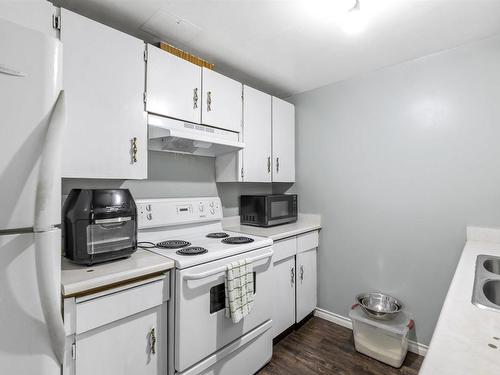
[[56, 22], [144, 96], [73, 351], [242, 172], [146, 53]]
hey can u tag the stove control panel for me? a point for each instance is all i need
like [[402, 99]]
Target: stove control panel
[[177, 211]]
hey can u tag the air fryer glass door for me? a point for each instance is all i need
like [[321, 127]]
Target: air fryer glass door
[[109, 235]]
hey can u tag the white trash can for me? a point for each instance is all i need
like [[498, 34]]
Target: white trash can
[[386, 341]]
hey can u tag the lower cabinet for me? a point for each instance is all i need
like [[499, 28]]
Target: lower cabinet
[[306, 284], [121, 331], [295, 280], [129, 346], [284, 300]]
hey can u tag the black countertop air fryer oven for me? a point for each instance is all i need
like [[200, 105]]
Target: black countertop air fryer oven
[[99, 225]]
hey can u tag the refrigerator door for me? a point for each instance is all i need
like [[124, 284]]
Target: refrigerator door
[[30, 83], [25, 343]]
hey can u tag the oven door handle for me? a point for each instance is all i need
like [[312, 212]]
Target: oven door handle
[[203, 275]]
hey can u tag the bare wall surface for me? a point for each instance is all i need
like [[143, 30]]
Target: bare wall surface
[[175, 175], [398, 162]]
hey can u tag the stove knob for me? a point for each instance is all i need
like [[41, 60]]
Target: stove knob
[[212, 211], [201, 207], [149, 217], [148, 207], [212, 204]]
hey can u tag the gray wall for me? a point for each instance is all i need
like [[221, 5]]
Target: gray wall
[[176, 175], [398, 162]]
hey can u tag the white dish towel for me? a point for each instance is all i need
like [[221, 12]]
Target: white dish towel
[[239, 289]]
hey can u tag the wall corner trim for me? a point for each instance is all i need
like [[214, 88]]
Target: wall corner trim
[[413, 346]]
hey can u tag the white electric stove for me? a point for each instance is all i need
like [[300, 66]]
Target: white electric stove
[[201, 339]]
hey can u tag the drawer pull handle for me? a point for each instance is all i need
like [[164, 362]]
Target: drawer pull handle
[[292, 274], [152, 335]]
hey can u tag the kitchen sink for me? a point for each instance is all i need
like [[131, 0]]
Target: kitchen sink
[[491, 290], [492, 265], [486, 293]]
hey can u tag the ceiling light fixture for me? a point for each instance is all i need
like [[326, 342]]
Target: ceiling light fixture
[[354, 21]]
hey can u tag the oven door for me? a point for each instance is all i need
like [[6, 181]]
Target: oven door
[[201, 326], [281, 209]]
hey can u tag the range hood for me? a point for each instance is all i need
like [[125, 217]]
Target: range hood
[[170, 135]]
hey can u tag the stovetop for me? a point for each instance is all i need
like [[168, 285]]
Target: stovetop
[[216, 248]]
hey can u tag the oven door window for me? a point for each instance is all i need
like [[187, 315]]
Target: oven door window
[[218, 296]]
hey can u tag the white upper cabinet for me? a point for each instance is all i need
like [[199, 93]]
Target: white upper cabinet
[[221, 101], [173, 86], [256, 135], [269, 137], [106, 134], [283, 125]]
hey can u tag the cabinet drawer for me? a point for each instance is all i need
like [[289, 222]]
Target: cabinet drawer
[[284, 249], [99, 311], [307, 241]]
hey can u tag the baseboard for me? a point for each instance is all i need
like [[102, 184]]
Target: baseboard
[[413, 346]]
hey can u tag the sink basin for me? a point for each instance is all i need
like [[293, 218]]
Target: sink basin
[[491, 290], [486, 292], [492, 265]]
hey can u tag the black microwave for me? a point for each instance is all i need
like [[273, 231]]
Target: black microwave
[[268, 210]]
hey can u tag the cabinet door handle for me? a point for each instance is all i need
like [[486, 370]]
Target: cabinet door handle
[[152, 337], [301, 273], [209, 101], [292, 275], [134, 150], [277, 164], [268, 164], [195, 98]]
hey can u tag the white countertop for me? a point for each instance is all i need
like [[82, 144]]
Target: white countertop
[[305, 223], [76, 279], [460, 341]]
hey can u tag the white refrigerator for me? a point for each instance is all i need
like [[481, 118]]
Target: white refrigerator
[[32, 119]]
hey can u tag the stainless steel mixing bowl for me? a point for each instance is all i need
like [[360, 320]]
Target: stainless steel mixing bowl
[[379, 306]]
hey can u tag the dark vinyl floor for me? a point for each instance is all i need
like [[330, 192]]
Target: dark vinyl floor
[[322, 347]]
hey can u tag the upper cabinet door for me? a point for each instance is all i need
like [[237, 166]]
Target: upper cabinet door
[[103, 77], [283, 141], [256, 135], [222, 101], [173, 86]]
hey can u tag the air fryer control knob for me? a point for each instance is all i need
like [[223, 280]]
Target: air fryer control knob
[[212, 211], [149, 217]]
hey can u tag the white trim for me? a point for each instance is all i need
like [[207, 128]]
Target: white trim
[[413, 346]]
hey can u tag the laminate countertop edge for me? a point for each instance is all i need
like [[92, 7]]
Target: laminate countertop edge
[[305, 223], [78, 279]]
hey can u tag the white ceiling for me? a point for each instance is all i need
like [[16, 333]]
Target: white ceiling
[[290, 46]]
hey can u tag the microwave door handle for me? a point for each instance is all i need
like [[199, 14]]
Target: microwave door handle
[[204, 275]]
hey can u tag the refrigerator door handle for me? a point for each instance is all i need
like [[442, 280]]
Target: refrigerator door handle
[[48, 268], [48, 190], [47, 236]]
